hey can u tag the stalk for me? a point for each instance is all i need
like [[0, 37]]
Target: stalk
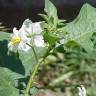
[[31, 80]]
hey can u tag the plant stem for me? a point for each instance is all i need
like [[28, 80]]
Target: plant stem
[[35, 54], [31, 80], [33, 51]]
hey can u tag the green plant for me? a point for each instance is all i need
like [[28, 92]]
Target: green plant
[[68, 56]]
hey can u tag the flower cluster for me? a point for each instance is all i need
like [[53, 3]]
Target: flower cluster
[[29, 34]]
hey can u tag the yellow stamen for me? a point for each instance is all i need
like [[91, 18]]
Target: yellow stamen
[[15, 40]]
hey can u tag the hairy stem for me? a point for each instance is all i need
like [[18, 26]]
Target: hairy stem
[[31, 80]]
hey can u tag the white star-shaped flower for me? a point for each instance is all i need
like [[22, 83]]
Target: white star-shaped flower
[[29, 33], [33, 31], [18, 41]]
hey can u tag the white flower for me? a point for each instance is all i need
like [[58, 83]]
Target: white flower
[[82, 91], [18, 41], [29, 33], [33, 31]]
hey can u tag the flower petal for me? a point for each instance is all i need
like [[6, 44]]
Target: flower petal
[[82, 91], [23, 47], [26, 27], [12, 47], [38, 41], [15, 32], [37, 28]]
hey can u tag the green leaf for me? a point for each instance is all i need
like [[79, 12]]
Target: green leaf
[[45, 17], [82, 28], [11, 63], [51, 11], [7, 85], [4, 36], [50, 39], [28, 59]]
